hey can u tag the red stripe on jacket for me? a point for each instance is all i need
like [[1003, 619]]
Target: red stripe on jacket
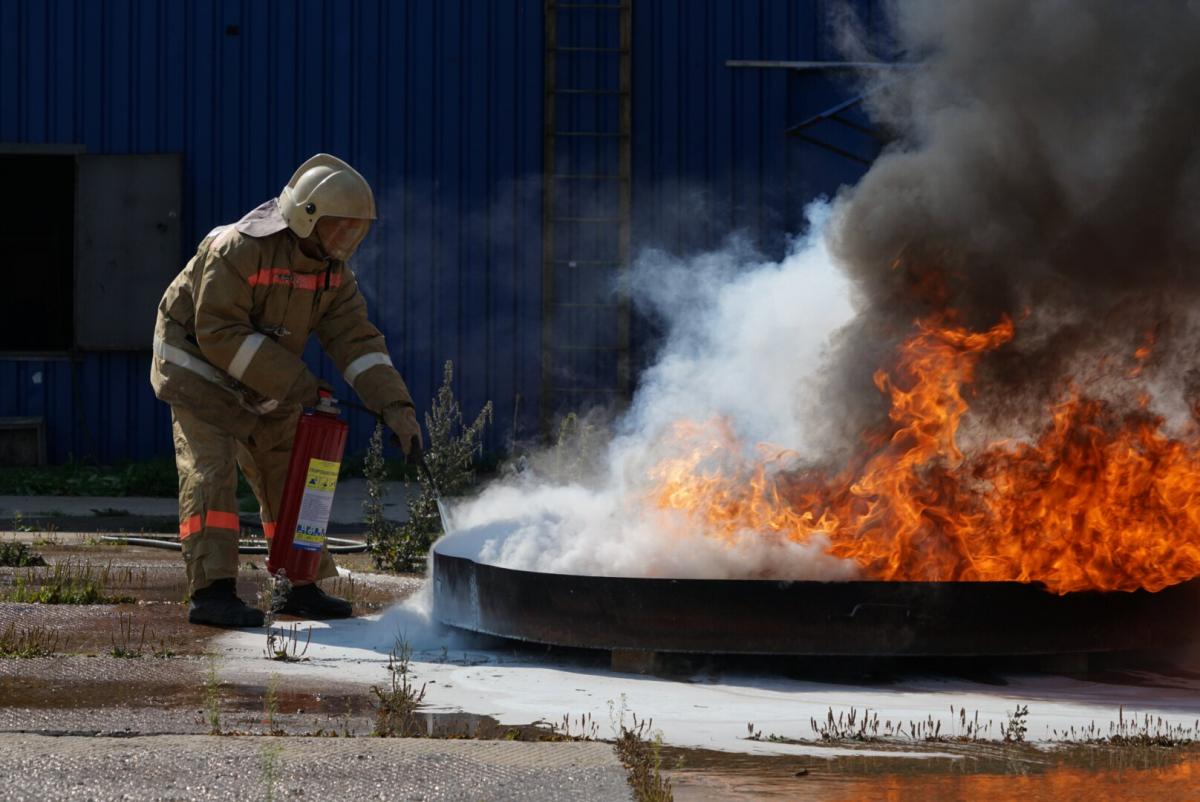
[[299, 281]]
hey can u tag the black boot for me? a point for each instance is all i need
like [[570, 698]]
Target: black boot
[[219, 605], [309, 601]]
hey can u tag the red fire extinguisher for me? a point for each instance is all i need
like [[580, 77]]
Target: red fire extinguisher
[[308, 492]]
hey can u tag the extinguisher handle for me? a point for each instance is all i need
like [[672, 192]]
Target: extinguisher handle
[[423, 466], [413, 455], [416, 456], [326, 403]]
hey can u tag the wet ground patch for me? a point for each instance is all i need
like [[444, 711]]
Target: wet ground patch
[[939, 771]]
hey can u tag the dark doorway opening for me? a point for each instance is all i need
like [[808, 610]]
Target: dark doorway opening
[[37, 224]]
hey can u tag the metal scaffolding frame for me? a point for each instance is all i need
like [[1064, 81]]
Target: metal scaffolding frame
[[561, 231]]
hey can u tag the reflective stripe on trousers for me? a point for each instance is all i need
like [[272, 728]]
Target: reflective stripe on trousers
[[213, 519], [207, 459]]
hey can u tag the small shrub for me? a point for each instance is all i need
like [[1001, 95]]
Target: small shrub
[[574, 456], [396, 712], [1016, 728], [642, 758], [450, 453], [19, 524], [381, 533], [18, 555]]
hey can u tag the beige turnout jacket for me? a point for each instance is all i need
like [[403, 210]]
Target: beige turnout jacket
[[232, 325]]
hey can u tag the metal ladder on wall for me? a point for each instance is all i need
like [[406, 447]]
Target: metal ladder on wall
[[586, 207]]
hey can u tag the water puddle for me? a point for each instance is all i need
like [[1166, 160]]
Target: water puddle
[[985, 772]]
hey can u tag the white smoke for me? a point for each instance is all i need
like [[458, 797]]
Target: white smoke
[[745, 341]]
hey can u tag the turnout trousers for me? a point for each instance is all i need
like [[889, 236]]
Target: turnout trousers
[[207, 459]]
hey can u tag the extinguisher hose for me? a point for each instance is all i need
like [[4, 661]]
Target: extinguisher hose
[[335, 545], [416, 455]]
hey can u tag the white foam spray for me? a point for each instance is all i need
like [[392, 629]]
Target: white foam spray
[[746, 338], [409, 624]]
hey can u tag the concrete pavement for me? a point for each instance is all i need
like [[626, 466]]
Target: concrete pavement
[[203, 767]]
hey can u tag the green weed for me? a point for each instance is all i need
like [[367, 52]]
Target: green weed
[[70, 583], [574, 456], [27, 642], [283, 643], [125, 643], [391, 470], [156, 477], [867, 727], [150, 478], [641, 755], [451, 454], [271, 705], [396, 713], [270, 769], [212, 697], [1130, 731], [18, 555], [1016, 727], [19, 524]]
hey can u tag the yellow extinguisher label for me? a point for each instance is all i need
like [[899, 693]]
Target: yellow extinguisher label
[[316, 504]]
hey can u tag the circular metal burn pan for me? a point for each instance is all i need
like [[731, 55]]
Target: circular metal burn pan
[[764, 617]]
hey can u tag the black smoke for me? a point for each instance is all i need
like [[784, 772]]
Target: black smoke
[[1046, 166]]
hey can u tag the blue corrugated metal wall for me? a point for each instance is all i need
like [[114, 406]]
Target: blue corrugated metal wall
[[710, 153], [439, 104]]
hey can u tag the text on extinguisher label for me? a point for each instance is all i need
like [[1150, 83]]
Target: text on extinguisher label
[[316, 504]]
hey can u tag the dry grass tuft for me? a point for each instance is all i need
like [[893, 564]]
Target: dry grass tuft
[[27, 642], [74, 583]]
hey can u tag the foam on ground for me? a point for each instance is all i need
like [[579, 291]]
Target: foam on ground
[[711, 711]]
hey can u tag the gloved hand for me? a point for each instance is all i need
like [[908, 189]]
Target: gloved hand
[[401, 418], [307, 390]]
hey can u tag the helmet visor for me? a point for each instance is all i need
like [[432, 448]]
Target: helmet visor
[[341, 236]]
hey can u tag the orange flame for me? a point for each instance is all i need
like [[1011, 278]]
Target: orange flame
[[1099, 500]]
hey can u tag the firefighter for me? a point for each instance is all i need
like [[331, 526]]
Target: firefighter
[[227, 344]]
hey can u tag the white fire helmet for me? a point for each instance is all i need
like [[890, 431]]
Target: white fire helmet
[[325, 186]]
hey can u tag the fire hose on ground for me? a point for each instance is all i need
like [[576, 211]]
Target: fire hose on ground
[[335, 545], [263, 546]]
